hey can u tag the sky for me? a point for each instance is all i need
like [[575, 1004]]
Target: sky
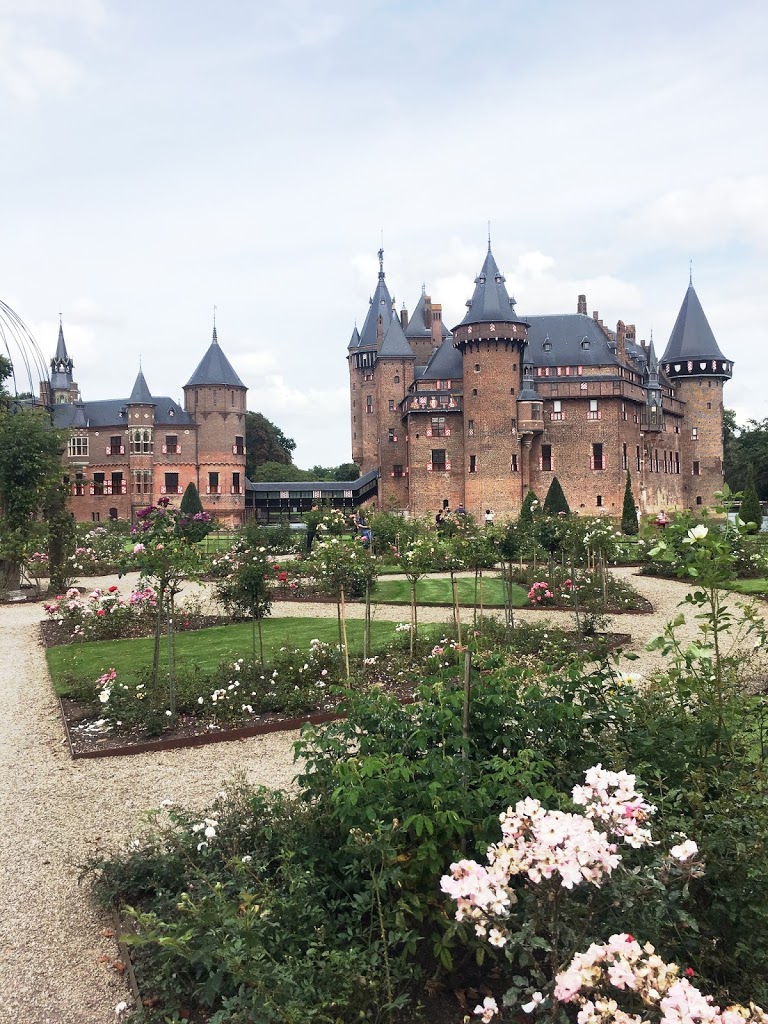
[[165, 157]]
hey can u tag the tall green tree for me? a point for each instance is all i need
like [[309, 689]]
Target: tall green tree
[[556, 501], [750, 511], [265, 442], [530, 502], [629, 524], [31, 481], [190, 502]]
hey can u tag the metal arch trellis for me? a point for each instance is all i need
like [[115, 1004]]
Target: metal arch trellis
[[18, 343]]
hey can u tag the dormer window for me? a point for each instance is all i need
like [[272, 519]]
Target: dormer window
[[585, 343], [547, 346]]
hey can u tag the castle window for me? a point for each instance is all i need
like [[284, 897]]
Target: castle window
[[698, 499], [115, 445], [369, 403], [637, 456], [697, 469], [474, 392], [623, 411], [236, 488], [95, 517], [709, 405], [397, 378], [472, 463], [546, 463], [597, 461], [594, 410], [141, 442], [599, 500], [78, 486], [677, 462], [141, 480], [171, 446], [513, 467], [391, 405], [514, 424], [238, 448], [118, 487], [547, 346], [585, 344], [438, 427], [666, 464], [557, 410], [656, 459], [368, 376], [171, 485], [471, 428], [397, 470], [694, 433], [477, 367], [215, 397], [78, 446], [624, 460], [213, 484], [439, 463], [98, 483], [391, 435]]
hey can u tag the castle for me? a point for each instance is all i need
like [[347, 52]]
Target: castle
[[123, 454], [501, 404]]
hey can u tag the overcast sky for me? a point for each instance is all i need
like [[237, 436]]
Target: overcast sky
[[161, 157]]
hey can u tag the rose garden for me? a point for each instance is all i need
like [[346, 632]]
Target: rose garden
[[495, 815]]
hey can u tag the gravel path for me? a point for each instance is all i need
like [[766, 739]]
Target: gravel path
[[55, 960]]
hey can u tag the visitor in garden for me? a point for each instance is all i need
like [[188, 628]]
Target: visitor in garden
[[489, 517], [662, 519], [460, 510]]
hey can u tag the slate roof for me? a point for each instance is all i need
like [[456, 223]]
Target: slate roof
[[214, 368], [61, 347], [141, 394], [354, 341], [490, 302], [380, 305], [61, 365], [395, 344], [567, 334], [113, 412], [417, 325], [691, 337], [445, 364]]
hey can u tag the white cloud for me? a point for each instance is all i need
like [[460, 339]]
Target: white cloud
[[28, 72]]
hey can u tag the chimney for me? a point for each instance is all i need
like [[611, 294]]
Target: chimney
[[581, 306], [436, 322], [621, 342], [595, 315], [403, 317]]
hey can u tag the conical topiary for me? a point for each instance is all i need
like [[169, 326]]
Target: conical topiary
[[555, 501], [629, 525], [530, 502], [750, 510], [190, 502]]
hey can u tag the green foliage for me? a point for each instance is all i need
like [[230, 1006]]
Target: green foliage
[[527, 511], [265, 443], [555, 501], [745, 452], [750, 511], [190, 501], [629, 523]]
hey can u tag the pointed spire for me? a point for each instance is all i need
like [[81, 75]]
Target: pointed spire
[[61, 347], [214, 368], [490, 302], [380, 306], [354, 341], [395, 345], [692, 337], [214, 339], [141, 394]]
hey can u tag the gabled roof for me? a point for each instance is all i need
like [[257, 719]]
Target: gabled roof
[[490, 302], [214, 368], [380, 305], [445, 364], [691, 337], [141, 394], [418, 326], [571, 339], [113, 412], [395, 344]]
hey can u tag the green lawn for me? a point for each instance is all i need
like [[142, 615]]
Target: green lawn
[[755, 586], [206, 648], [438, 591]]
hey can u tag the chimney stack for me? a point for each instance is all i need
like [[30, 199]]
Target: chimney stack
[[621, 341], [582, 305], [403, 317]]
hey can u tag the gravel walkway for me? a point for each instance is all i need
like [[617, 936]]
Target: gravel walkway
[[55, 958]]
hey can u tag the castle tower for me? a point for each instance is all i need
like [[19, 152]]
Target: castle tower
[[63, 389], [363, 353], [140, 409], [698, 370], [215, 397], [492, 340], [392, 375]]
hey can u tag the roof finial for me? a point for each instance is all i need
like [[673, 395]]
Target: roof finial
[[489, 236], [214, 339], [381, 258], [690, 272]]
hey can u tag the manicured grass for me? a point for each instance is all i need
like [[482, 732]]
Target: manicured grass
[[755, 586], [206, 648], [438, 591]]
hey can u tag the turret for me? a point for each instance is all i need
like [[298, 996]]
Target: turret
[[63, 389]]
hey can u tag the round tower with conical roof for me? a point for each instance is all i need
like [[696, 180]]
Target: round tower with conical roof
[[697, 369], [215, 397], [491, 339]]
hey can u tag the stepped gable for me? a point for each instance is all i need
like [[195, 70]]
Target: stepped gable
[[691, 337], [214, 369], [490, 302]]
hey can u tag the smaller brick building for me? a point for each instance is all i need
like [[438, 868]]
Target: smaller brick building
[[503, 403], [124, 453]]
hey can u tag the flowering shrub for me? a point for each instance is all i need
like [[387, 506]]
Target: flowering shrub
[[98, 552], [541, 594], [103, 614]]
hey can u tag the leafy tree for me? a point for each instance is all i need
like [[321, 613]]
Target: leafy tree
[[555, 501], [190, 502], [750, 511], [265, 442], [629, 525], [30, 481], [268, 471], [530, 502], [246, 587], [745, 450]]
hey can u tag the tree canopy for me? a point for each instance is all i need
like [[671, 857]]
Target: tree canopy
[[745, 451], [265, 443]]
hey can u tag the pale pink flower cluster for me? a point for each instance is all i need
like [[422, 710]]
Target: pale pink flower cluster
[[611, 798], [684, 851], [480, 893], [623, 964]]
